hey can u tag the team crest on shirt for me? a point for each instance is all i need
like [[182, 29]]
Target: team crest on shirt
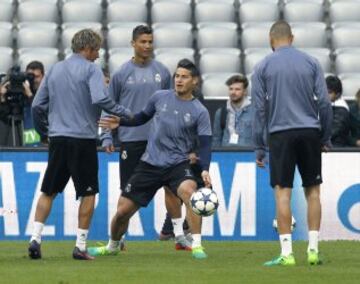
[[157, 78], [130, 80], [187, 117], [164, 107]]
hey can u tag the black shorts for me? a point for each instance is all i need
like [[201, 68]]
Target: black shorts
[[291, 148], [147, 179], [130, 154], [196, 169], [75, 158]]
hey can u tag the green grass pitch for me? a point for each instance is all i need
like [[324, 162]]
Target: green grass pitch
[[158, 262]]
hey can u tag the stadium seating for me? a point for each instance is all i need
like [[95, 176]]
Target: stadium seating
[[214, 11], [6, 10], [33, 11], [48, 56], [351, 84], [344, 10], [253, 56], [100, 61], [347, 60], [215, 35], [118, 56], [259, 11], [82, 11], [322, 55], [69, 30], [127, 11], [37, 34], [120, 34], [213, 85], [255, 35], [346, 35], [304, 38], [219, 60], [6, 55], [303, 10], [6, 36], [171, 56], [171, 11], [172, 35]]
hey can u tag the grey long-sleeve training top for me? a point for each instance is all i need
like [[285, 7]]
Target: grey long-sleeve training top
[[70, 98]]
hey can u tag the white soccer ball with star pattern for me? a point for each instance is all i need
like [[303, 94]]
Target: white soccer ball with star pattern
[[204, 201]]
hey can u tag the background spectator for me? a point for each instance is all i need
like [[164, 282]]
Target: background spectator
[[232, 123], [341, 117], [355, 122]]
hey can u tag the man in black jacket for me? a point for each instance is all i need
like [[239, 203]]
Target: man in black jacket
[[340, 133]]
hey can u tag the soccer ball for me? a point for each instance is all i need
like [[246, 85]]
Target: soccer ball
[[204, 201], [293, 224]]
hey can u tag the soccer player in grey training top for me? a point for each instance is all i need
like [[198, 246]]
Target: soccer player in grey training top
[[177, 118], [66, 109], [132, 86], [289, 85]]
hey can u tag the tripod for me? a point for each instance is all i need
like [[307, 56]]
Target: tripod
[[17, 130]]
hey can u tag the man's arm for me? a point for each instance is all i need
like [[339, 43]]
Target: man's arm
[[139, 118], [40, 108], [100, 97], [258, 94], [106, 136], [204, 134], [324, 104]]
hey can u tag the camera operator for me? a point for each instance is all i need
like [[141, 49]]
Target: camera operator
[[34, 70], [16, 95]]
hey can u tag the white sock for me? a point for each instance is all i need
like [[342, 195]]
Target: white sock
[[313, 240], [286, 244], [113, 245], [37, 229], [196, 240], [81, 237], [178, 227]]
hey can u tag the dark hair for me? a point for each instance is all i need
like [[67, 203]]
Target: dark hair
[[357, 94], [334, 84], [189, 65], [140, 30], [36, 65], [237, 79]]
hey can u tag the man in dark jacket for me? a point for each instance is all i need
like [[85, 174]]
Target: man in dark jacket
[[355, 122], [340, 132]]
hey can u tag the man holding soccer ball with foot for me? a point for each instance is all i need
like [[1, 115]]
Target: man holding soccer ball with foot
[[177, 118]]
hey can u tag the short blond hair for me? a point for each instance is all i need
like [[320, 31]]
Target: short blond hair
[[86, 38]]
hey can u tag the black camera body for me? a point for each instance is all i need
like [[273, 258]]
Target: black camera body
[[15, 96]]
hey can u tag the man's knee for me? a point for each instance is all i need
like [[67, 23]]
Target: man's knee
[[186, 189]]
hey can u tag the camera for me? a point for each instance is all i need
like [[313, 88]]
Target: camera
[[15, 93]]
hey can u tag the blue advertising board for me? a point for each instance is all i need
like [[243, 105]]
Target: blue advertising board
[[246, 210]]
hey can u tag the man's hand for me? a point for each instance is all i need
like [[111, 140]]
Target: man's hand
[[206, 178], [358, 143], [109, 122], [193, 158], [260, 158], [27, 90], [326, 147], [3, 91], [108, 146]]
